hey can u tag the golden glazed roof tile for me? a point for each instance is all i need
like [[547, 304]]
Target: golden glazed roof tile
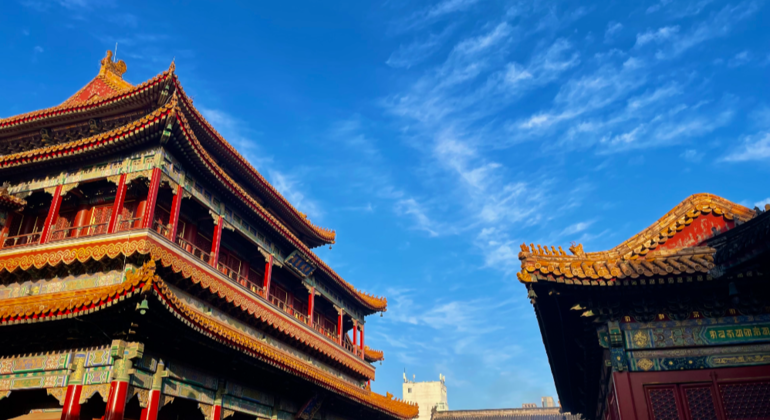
[[674, 245], [372, 355]]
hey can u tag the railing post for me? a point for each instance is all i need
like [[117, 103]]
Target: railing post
[[216, 241], [268, 277], [340, 314], [152, 199], [117, 206], [176, 205], [53, 214]]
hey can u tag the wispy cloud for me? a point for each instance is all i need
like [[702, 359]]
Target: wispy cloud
[[718, 25], [613, 28], [753, 148], [434, 13], [419, 50], [743, 57]]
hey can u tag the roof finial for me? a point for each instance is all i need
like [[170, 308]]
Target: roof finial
[[172, 67], [111, 67]]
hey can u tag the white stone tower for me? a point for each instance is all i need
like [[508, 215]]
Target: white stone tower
[[426, 394]]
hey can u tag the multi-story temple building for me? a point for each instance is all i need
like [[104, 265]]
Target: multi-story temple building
[[673, 323], [148, 271]]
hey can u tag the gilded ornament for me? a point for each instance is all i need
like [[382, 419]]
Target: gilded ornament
[[645, 364]]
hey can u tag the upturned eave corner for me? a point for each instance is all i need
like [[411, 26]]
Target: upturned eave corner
[[658, 250]]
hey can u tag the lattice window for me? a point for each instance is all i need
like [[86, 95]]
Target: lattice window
[[747, 400], [700, 402], [663, 403]]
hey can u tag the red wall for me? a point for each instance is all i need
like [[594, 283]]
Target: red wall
[[719, 394]]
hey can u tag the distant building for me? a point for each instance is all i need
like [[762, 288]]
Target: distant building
[[427, 395], [528, 411]]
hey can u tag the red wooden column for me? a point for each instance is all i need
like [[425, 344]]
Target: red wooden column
[[268, 277], [216, 409], [362, 341], [122, 353], [53, 214], [117, 206], [71, 409], [116, 401], [216, 241], [310, 304], [152, 199], [340, 315], [355, 335], [153, 399], [176, 205]]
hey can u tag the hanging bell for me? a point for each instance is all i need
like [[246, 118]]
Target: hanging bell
[[143, 307]]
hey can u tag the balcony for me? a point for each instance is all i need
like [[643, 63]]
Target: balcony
[[193, 235]]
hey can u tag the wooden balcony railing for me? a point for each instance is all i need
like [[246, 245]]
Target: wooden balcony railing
[[243, 281], [79, 231], [332, 335], [161, 228], [21, 240], [128, 224], [288, 309], [193, 250]]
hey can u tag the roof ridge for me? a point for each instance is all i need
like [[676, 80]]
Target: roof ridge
[[666, 228]]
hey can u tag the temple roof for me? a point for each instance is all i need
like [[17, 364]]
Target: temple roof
[[108, 89], [149, 127], [539, 413], [675, 244], [187, 120]]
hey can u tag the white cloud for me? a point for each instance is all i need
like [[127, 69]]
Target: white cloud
[[656, 36], [756, 147], [718, 25], [38, 49], [291, 188], [418, 51], [743, 57], [434, 13], [692, 155], [612, 29], [762, 203], [576, 228], [410, 207]]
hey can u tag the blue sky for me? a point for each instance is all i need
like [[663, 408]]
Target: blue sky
[[437, 136]]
